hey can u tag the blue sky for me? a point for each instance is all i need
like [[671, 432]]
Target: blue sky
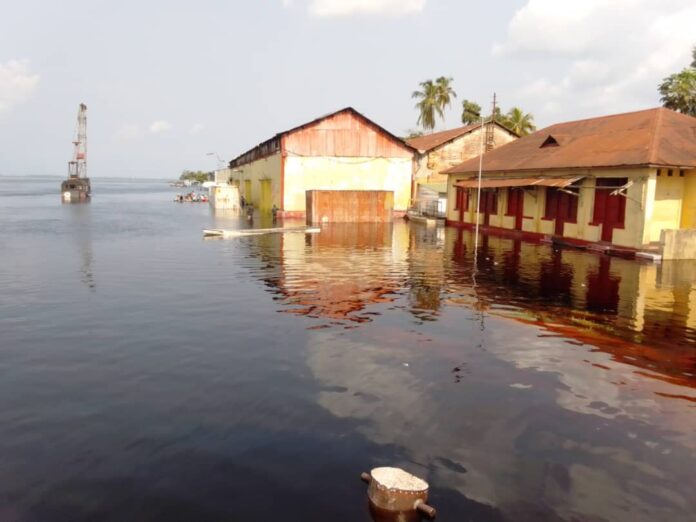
[[168, 81]]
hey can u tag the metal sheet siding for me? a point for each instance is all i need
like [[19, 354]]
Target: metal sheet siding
[[349, 206], [343, 135]]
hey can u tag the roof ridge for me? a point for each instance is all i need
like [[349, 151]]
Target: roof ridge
[[657, 133], [606, 116]]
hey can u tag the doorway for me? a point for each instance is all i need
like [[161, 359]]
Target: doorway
[[462, 202], [561, 206], [515, 205], [489, 204], [609, 209], [265, 201]]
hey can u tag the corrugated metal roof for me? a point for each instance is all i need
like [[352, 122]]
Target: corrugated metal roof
[[652, 137], [278, 135], [428, 142], [517, 182]]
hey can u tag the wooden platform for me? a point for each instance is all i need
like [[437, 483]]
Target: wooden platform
[[223, 233]]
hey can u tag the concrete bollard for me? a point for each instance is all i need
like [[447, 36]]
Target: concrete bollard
[[395, 491]]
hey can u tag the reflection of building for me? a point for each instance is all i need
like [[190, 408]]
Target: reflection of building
[[338, 273], [441, 150], [619, 180], [642, 314], [340, 151]]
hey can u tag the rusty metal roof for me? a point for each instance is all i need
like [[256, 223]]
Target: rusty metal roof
[[517, 182], [351, 110], [428, 142], [652, 137]]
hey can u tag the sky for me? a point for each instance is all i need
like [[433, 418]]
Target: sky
[[167, 83]]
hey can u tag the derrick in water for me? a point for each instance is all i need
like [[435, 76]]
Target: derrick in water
[[77, 187]]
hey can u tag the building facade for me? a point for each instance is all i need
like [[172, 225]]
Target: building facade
[[341, 151], [616, 180], [442, 150]]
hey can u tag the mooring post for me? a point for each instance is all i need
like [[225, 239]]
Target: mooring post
[[395, 490]]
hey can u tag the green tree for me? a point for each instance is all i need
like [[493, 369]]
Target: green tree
[[520, 123], [445, 94], [678, 90], [433, 98], [192, 175], [427, 104], [471, 112]]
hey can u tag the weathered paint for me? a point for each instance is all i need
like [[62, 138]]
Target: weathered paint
[[344, 173], [349, 206], [431, 164], [344, 134], [652, 204], [251, 176], [343, 151]]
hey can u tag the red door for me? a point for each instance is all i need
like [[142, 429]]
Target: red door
[[561, 206], [462, 203], [516, 206], [609, 210], [489, 204]]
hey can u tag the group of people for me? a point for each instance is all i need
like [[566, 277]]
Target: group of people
[[191, 197]]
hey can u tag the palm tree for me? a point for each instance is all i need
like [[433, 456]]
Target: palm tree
[[445, 93], [519, 122], [428, 104], [678, 91]]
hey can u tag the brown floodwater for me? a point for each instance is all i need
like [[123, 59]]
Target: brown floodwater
[[148, 374]]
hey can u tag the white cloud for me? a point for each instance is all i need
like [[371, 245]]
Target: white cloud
[[287, 3], [159, 126], [612, 55], [198, 127], [17, 84], [331, 8], [129, 132]]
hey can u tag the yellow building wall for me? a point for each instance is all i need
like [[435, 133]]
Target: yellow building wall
[[688, 217], [637, 201], [666, 209], [336, 173], [263, 171]]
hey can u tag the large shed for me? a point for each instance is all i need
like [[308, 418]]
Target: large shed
[[343, 150]]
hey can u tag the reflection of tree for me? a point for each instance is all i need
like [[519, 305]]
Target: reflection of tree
[[425, 271]]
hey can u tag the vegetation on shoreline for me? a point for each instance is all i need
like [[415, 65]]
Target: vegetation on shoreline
[[194, 175]]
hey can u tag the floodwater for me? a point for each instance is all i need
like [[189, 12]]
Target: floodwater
[[148, 374]]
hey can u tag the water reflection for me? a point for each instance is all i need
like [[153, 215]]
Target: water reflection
[[553, 416], [338, 274], [642, 314], [79, 221]]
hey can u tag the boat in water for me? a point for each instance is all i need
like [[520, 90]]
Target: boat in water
[[76, 188]]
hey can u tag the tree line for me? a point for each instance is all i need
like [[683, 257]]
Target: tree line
[[434, 96], [677, 92], [194, 175]]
